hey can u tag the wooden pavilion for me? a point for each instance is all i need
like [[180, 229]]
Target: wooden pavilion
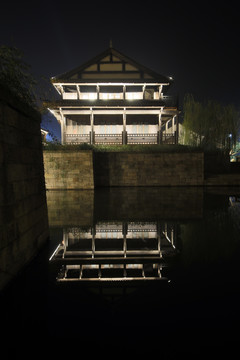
[[112, 99]]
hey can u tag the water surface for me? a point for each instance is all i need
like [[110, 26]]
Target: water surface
[[146, 269]]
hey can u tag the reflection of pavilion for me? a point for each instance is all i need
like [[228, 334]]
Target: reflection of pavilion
[[115, 251]]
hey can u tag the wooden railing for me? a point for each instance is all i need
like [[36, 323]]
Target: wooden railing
[[77, 138], [168, 138], [108, 138], [118, 138], [142, 138]]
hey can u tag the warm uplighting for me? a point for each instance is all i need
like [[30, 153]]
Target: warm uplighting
[[110, 96], [88, 96], [134, 95]]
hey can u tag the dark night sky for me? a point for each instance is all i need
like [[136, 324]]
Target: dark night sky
[[196, 43]]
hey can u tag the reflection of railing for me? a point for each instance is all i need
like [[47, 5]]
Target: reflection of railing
[[111, 272], [142, 138], [126, 248], [108, 138], [77, 138], [109, 253]]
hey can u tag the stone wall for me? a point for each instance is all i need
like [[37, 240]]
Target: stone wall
[[85, 170], [148, 169], [68, 169], [23, 209], [216, 162]]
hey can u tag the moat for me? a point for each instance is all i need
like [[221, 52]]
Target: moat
[[143, 269]]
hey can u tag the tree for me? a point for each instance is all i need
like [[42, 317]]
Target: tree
[[210, 124], [15, 74], [193, 113]]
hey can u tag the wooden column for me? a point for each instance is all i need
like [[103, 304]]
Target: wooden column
[[160, 91], [177, 129], [174, 129], [92, 128], [124, 92], [97, 92], [62, 131], [78, 91], [63, 127], [143, 91], [160, 128], [173, 126], [124, 133]]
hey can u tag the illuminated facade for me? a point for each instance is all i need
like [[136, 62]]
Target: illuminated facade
[[112, 99]]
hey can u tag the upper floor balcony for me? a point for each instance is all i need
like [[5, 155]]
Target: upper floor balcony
[[106, 92]]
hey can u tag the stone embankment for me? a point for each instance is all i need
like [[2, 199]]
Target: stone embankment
[[23, 208], [87, 170]]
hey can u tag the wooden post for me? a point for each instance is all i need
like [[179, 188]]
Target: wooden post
[[124, 134], [173, 130], [177, 129], [173, 127], [92, 128], [143, 90], [62, 132], [160, 128], [160, 91], [97, 92], [78, 91], [124, 92], [63, 127]]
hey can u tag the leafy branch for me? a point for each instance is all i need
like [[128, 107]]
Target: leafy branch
[[210, 124], [15, 74]]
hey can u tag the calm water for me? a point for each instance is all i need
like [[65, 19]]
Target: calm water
[[137, 269]]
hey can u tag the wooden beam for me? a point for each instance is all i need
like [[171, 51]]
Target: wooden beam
[[78, 91], [111, 112], [109, 83]]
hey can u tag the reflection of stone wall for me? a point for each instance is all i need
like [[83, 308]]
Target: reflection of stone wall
[[148, 203], [68, 169], [84, 208], [149, 169], [23, 211], [70, 208]]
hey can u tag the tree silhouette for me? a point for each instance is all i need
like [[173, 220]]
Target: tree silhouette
[[15, 74]]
